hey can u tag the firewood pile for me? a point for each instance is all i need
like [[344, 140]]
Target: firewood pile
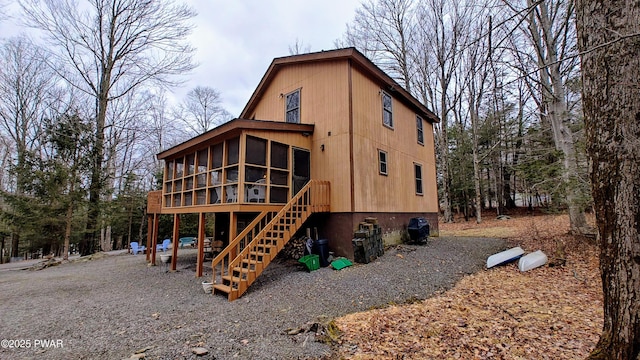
[[294, 249]]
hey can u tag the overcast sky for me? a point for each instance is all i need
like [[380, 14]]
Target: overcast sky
[[236, 40]]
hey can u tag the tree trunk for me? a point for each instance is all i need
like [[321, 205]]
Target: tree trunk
[[444, 166], [611, 73], [554, 97]]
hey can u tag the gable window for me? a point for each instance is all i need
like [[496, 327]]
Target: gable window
[[420, 130], [382, 159], [418, 171], [387, 113], [292, 107]]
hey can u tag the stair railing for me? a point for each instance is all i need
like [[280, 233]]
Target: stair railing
[[313, 197], [220, 263]]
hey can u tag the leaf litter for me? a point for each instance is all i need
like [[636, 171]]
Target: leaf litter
[[553, 312]]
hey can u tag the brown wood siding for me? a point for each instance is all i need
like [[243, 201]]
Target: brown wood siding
[[395, 191], [324, 95]]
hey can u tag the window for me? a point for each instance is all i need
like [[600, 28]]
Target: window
[[382, 159], [418, 171], [292, 107], [233, 149], [420, 130], [387, 114], [279, 155], [256, 151]]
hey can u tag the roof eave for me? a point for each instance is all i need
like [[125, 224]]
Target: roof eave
[[231, 126]]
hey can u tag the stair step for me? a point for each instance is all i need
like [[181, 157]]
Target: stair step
[[224, 288], [251, 262], [231, 278]]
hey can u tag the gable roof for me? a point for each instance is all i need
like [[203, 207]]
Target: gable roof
[[357, 58], [235, 126]]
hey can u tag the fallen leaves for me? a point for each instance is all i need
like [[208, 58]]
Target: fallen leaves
[[500, 313]]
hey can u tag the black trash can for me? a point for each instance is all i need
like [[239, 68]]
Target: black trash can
[[418, 230], [321, 248]]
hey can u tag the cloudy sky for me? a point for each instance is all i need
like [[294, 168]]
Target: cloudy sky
[[236, 40]]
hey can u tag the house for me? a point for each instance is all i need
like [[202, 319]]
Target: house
[[326, 140]]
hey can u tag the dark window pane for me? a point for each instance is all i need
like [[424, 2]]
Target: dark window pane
[[188, 198], [301, 163], [232, 174], [201, 180], [256, 151], [231, 193], [233, 149], [279, 155], [170, 170], [201, 197], [176, 200], [179, 167], [387, 111], [177, 185], [216, 156], [253, 174], [418, 171], [190, 165], [279, 177], [202, 161], [167, 200], [188, 183], [214, 195], [420, 130], [216, 177], [279, 195], [383, 162]]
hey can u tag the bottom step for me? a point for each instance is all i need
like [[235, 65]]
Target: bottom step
[[224, 288]]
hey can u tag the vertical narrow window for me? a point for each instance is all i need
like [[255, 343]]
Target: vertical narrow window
[[420, 130], [382, 159], [418, 170], [387, 111], [292, 107]]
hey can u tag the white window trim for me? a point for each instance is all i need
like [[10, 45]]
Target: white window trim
[[386, 163], [420, 130], [383, 94], [415, 177], [299, 105]]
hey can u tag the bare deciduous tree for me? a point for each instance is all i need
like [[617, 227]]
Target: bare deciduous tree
[[382, 30], [299, 47], [551, 35], [110, 48], [609, 43], [25, 86], [201, 110]]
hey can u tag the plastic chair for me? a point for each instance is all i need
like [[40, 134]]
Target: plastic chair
[[135, 248], [257, 193], [165, 244]]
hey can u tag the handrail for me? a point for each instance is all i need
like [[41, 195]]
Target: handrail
[[237, 243], [314, 196]]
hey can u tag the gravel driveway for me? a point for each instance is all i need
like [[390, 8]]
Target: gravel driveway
[[115, 306]]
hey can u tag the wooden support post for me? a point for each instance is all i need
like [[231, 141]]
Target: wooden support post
[[176, 236], [233, 232], [154, 240], [201, 227], [149, 227]]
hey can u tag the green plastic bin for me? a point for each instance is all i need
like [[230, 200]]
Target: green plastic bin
[[312, 262]]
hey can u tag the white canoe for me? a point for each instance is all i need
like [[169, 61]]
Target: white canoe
[[504, 257], [532, 261]]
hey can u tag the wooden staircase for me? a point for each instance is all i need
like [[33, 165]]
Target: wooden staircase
[[240, 263]]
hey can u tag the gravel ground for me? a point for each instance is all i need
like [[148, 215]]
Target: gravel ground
[[115, 306]]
